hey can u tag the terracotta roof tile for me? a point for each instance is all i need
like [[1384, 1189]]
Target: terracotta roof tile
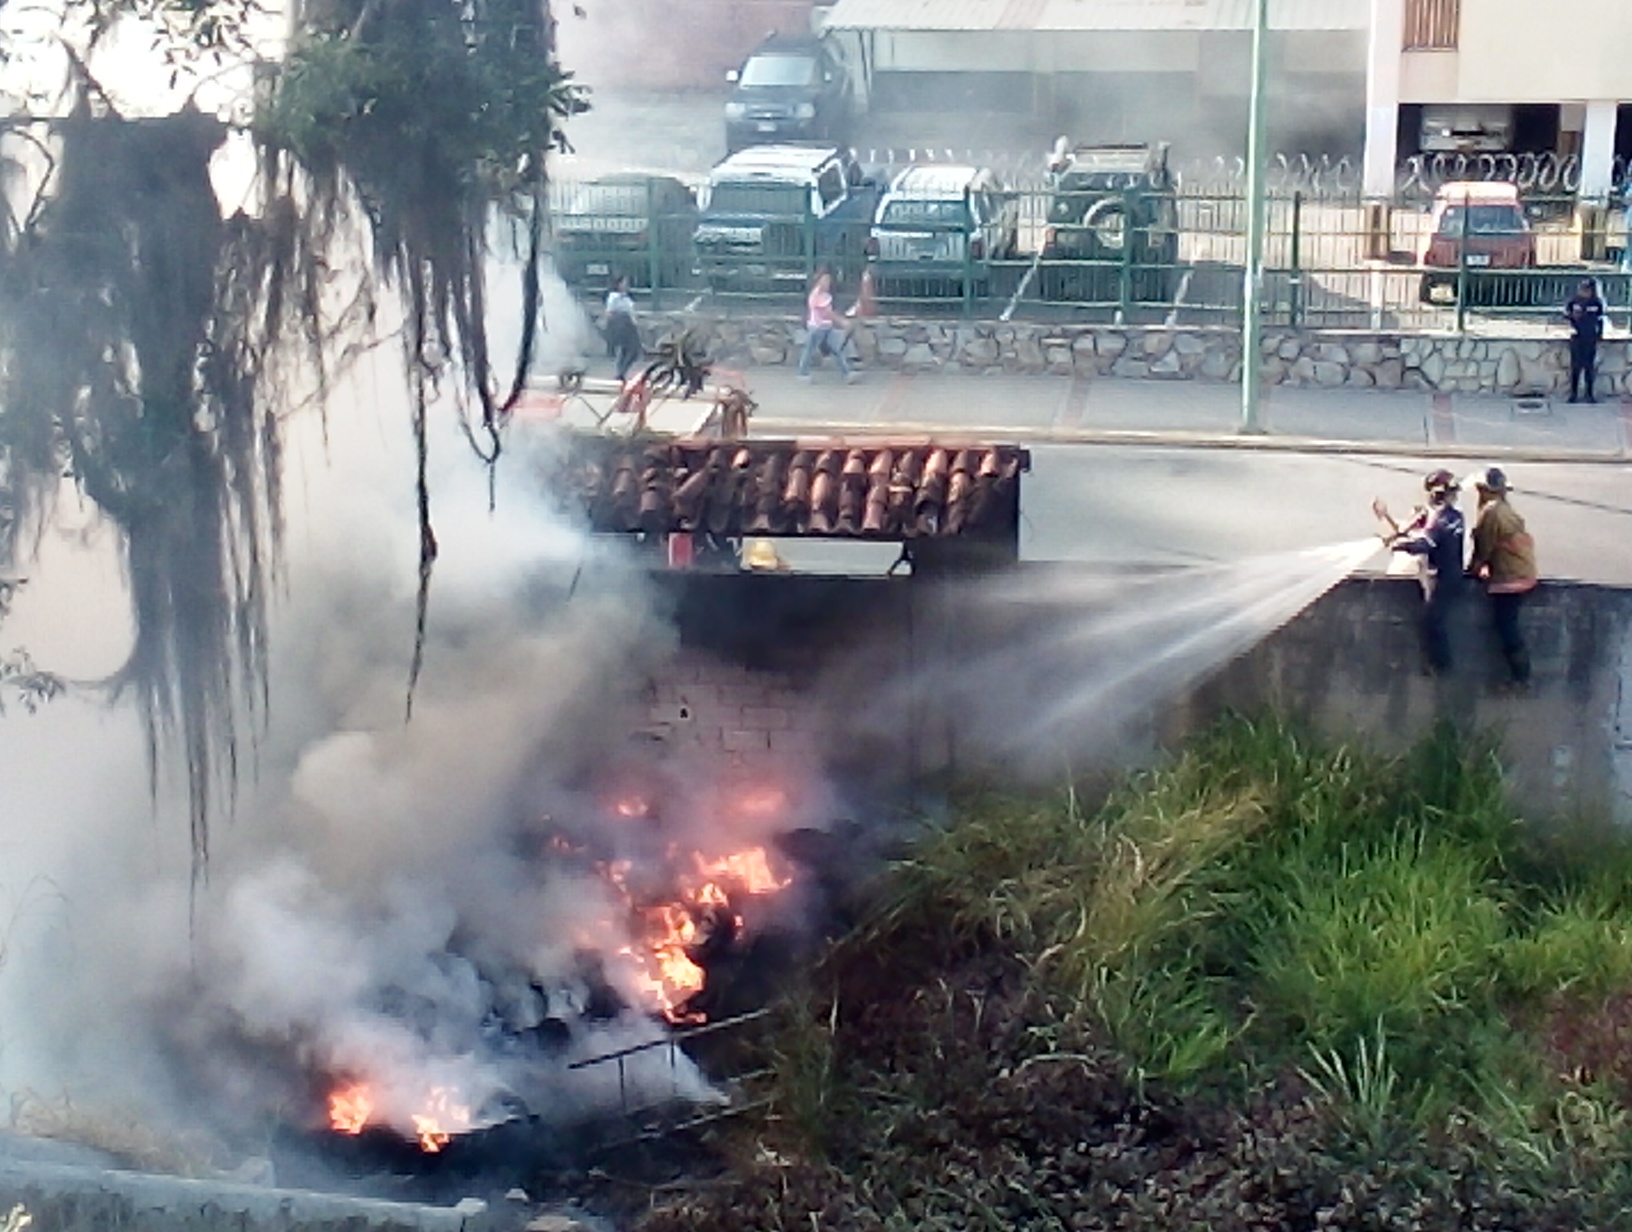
[[874, 489]]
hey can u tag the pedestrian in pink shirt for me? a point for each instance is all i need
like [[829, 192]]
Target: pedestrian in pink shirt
[[821, 327]]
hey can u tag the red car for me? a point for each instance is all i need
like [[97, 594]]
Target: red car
[[1480, 226]]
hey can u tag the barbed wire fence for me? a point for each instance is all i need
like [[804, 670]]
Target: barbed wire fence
[[1323, 178]]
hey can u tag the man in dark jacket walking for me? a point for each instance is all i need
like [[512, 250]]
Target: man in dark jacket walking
[[1437, 534], [1585, 313]]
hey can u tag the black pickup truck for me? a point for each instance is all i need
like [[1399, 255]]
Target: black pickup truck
[[771, 214]]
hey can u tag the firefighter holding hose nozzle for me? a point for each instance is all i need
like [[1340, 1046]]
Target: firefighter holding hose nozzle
[[1436, 535]]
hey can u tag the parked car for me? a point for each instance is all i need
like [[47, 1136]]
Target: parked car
[[1110, 207], [771, 213], [789, 89], [1477, 226], [639, 226], [939, 227]]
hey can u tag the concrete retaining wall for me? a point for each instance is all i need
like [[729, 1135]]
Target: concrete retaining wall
[[1317, 358], [814, 650], [72, 1198]]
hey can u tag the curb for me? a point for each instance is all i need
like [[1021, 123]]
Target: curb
[[1181, 439]]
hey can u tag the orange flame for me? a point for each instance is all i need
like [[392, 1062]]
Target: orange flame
[[350, 1107], [441, 1119], [750, 868], [670, 932], [762, 802], [664, 972]]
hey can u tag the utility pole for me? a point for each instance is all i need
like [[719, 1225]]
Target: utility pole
[[1252, 299]]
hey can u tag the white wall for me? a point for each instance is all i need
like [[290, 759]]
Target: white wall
[[918, 51], [1429, 77], [1522, 51]]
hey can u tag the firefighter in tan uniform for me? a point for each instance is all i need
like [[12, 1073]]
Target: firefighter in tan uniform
[[1504, 558]]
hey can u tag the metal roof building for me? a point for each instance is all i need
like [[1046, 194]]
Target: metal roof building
[[1103, 15], [1114, 70]]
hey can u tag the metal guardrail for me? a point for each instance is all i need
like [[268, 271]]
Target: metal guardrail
[[1135, 255]]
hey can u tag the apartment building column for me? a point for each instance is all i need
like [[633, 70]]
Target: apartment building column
[[1598, 150], [1383, 47], [1597, 178]]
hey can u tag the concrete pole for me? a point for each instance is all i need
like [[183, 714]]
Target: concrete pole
[[1598, 151], [1383, 47], [1252, 298]]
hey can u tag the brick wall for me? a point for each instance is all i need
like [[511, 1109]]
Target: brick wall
[[701, 704]]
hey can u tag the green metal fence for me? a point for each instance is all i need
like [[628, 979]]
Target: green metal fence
[[1133, 256]]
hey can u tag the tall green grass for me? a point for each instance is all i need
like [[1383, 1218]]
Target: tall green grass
[[1267, 902]]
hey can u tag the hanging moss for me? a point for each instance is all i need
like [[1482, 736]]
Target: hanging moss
[[428, 117], [141, 335]]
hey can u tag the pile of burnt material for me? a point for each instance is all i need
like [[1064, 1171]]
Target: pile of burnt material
[[883, 489]]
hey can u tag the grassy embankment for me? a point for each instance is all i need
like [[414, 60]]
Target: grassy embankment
[[1275, 985]]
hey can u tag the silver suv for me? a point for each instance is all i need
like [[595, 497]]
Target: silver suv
[[939, 228]]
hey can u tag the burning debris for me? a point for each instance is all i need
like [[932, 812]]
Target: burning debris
[[659, 923]]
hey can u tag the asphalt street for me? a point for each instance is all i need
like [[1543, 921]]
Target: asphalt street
[[1131, 473]]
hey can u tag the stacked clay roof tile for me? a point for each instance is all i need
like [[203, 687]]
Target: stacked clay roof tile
[[880, 489]]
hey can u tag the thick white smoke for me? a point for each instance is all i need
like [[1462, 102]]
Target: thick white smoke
[[377, 907]]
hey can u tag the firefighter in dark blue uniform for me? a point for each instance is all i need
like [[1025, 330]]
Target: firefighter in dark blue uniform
[[1437, 534]]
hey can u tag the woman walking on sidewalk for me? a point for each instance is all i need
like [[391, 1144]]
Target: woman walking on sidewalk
[[821, 327]]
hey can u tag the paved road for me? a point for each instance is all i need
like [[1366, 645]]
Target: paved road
[[1128, 473]]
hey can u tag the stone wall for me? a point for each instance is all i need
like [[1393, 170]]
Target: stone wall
[[1321, 358]]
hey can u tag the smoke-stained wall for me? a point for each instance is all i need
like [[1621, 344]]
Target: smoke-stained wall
[[669, 44], [1186, 87]]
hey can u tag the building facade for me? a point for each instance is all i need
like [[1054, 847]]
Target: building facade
[[1500, 77]]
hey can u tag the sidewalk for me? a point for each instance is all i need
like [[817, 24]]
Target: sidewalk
[[1111, 410], [1147, 412]]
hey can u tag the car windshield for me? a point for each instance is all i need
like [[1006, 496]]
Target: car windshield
[[779, 71], [907, 212], [1482, 220], [772, 199]]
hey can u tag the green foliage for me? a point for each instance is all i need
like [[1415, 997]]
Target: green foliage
[[1361, 1084], [1264, 899], [475, 99], [1273, 984], [145, 342], [1400, 936], [1578, 941]]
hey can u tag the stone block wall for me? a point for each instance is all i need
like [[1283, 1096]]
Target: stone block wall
[[1328, 359]]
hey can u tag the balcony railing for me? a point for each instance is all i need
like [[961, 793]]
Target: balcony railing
[[1432, 25]]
